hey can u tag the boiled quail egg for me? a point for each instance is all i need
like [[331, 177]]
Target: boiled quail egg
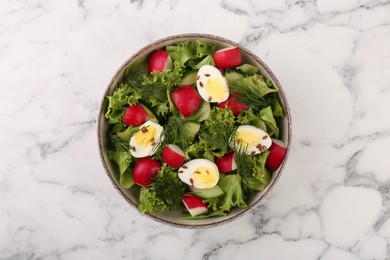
[[143, 142], [199, 173], [211, 84], [250, 139]]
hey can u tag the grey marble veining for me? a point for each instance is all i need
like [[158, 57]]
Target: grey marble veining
[[332, 59]]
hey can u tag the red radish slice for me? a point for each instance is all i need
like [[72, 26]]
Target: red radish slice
[[159, 61], [194, 204], [186, 100], [233, 105], [227, 58], [237, 108], [276, 156], [145, 169], [226, 163], [135, 115], [173, 155]]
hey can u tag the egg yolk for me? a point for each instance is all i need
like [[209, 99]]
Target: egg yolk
[[146, 136], [215, 88], [247, 138], [204, 177]]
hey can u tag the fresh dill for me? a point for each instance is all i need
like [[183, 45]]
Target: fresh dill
[[119, 144], [151, 88], [248, 94], [175, 131], [244, 162], [168, 187]]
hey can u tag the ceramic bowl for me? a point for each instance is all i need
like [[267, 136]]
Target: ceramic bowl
[[173, 218]]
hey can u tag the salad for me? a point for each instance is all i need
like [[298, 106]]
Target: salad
[[194, 128]]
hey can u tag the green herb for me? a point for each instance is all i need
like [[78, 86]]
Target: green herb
[[249, 94], [175, 132], [252, 169], [216, 131], [119, 144], [168, 186]]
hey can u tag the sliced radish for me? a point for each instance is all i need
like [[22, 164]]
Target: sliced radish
[[227, 58], [276, 156], [135, 115], [186, 100], [159, 61], [233, 105], [173, 155], [226, 163], [194, 204], [145, 169]]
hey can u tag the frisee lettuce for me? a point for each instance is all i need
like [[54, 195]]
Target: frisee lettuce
[[149, 202]]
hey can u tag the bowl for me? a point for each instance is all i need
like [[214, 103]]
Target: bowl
[[172, 218]]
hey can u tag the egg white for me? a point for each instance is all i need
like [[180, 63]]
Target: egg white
[[148, 140], [251, 140], [189, 173], [212, 86]]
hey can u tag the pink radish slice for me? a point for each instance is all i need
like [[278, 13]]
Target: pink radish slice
[[186, 100], [276, 156], [135, 115], [173, 155], [159, 61], [233, 105], [227, 58], [194, 204], [226, 163], [145, 169]]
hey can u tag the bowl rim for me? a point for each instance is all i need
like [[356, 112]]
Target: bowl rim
[[178, 37]]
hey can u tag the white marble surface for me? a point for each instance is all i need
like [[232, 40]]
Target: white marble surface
[[333, 60]]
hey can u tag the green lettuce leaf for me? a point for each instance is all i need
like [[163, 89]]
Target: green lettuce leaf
[[248, 69], [262, 85], [192, 54], [123, 159], [277, 108], [261, 176], [126, 134], [264, 120], [149, 202], [195, 64], [252, 170], [126, 179], [249, 117], [234, 195], [266, 114], [122, 97], [260, 172]]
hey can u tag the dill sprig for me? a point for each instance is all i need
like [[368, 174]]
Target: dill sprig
[[244, 162], [248, 94], [144, 84], [168, 187], [175, 132], [119, 144]]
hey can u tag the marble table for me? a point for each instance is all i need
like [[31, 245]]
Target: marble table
[[333, 60]]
